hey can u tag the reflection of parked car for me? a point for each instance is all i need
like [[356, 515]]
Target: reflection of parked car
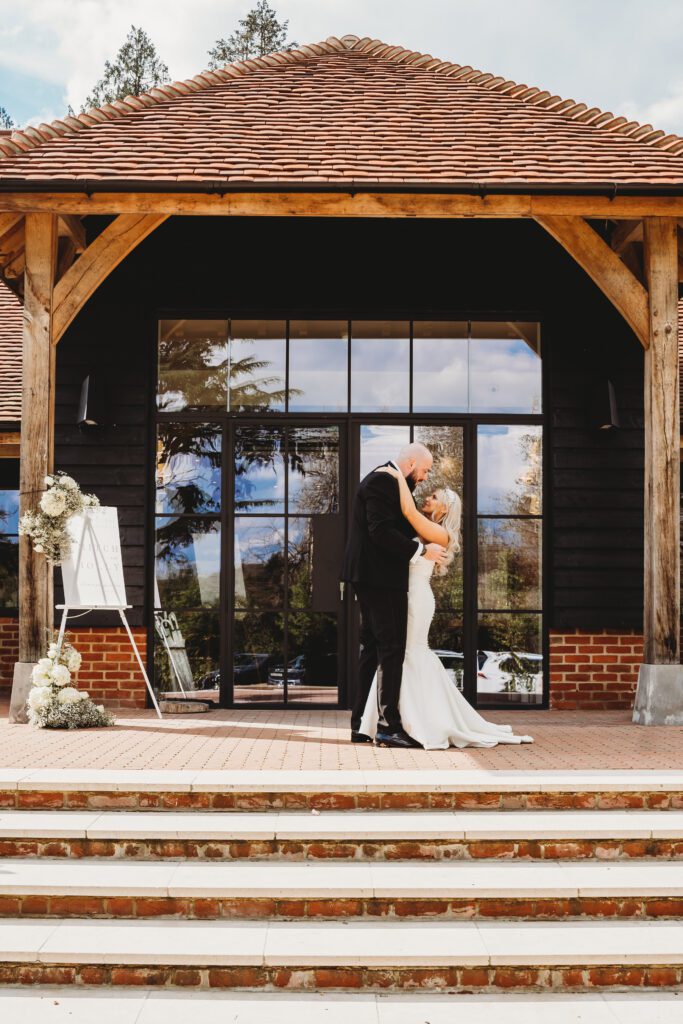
[[211, 681], [509, 672], [248, 669], [454, 663], [296, 673]]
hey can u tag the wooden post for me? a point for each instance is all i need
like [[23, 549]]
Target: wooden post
[[659, 700], [37, 444]]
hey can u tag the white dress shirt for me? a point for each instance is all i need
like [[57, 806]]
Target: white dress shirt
[[420, 545]]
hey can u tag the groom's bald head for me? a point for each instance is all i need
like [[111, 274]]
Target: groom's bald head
[[415, 461]]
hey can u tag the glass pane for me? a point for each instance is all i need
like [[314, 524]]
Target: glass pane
[[446, 445], [510, 563], [257, 365], [378, 444], [509, 659], [259, 562], [9, 572], [446, 640], [318, 365], [505, 368], [188, 476], [312, 668], [313, 469], [509, 469], [440, 366], [380, 366], [259, 469], [193, 364], [9, 511], [188, 561], [258, 646], [187, 654]]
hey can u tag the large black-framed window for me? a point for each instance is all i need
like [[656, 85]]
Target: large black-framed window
[[477, 380], [9, 536]]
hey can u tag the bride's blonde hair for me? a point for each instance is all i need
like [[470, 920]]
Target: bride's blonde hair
[[451, 524]]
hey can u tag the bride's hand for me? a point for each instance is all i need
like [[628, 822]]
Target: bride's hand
[[391, 471]]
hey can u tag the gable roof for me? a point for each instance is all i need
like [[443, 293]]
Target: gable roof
[[11, 326], [346, 112]]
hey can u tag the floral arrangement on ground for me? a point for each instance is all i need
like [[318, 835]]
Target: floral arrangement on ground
[[53, 702], [47, 526]]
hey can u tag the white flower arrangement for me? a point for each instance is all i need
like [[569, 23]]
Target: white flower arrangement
[[47, 525], [53, 701]]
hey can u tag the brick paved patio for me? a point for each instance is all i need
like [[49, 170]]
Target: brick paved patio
[[271, 740]]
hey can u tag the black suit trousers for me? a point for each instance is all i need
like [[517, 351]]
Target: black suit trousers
[[384, 622]]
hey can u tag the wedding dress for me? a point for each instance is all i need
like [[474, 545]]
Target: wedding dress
[[433, 711]]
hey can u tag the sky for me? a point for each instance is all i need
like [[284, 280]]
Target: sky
[[619, 55]]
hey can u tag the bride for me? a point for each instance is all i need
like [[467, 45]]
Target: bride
[[433, 711]]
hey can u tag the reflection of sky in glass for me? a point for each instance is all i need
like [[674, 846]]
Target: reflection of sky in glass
[[254, 386], [257, 540], [259, 470], [380, 374], [440, 374], [500, 464], [9, 511], [505, 376], [314, 473], [194, 469], [201, 553], [379, 443], [318, 369]]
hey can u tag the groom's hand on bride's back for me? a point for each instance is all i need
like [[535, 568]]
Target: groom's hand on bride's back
[[434, 552]]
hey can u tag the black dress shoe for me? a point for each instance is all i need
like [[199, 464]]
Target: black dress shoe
[[400, 738], [360, 737]]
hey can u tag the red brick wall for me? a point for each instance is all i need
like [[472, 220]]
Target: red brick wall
[[587, 670], [594, 670], [109, 671]]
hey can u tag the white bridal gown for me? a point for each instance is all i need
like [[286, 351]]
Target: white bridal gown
[[433, 711]]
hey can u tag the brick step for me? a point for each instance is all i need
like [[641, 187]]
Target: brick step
[[472, 956], [338, 790], [145, 1006], [366, 835], [453, 890]]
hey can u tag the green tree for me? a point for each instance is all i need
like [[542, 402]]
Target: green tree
[[259, 33], [6, 121], [135, 69]]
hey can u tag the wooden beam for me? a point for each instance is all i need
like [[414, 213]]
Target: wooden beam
[[8, 221], [37, 427], [603, 265], [101, 257], [72, 227], [343, 204], [625, 232], [661, 623]]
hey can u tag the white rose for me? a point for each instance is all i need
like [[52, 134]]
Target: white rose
[[45, 664], [49, 480], [53, 503], [40, 676], [73, 661], [60, 675], [38, 547], [39, 697], [68, 482], [69, 695]]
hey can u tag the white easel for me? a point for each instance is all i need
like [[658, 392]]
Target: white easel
[[93, 575]]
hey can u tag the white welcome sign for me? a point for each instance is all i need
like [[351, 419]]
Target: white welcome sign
[[93, 572]]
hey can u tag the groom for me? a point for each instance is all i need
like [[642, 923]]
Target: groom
[[380, 548]]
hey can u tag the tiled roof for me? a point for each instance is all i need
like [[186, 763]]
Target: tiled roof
[[11, 319], [342, 112]]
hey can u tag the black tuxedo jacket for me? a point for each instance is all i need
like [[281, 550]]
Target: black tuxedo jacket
[[381, 540]]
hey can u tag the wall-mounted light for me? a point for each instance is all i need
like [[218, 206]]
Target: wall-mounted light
[[92, 403], [604, 414]]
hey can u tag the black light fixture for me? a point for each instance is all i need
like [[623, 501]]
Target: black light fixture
[[603, 413], [92, 403]]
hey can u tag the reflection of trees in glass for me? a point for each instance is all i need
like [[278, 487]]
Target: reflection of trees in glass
[[9, 572], [189, 467], [509, 563], [313, 457], [526, 498], [179, 587], [446, 445], [255, 449]]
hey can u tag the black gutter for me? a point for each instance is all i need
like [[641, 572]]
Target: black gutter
[[608, 189]]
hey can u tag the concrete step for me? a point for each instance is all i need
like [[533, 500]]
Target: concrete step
[[473, 956], [148, 1006], [360, 835], [455, 890], [371, 790]]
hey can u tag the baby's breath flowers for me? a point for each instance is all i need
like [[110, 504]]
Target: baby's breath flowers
[[47, 526]]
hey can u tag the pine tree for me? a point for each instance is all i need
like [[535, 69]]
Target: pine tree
[[6, 122], [259, 33], [135, 69]]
